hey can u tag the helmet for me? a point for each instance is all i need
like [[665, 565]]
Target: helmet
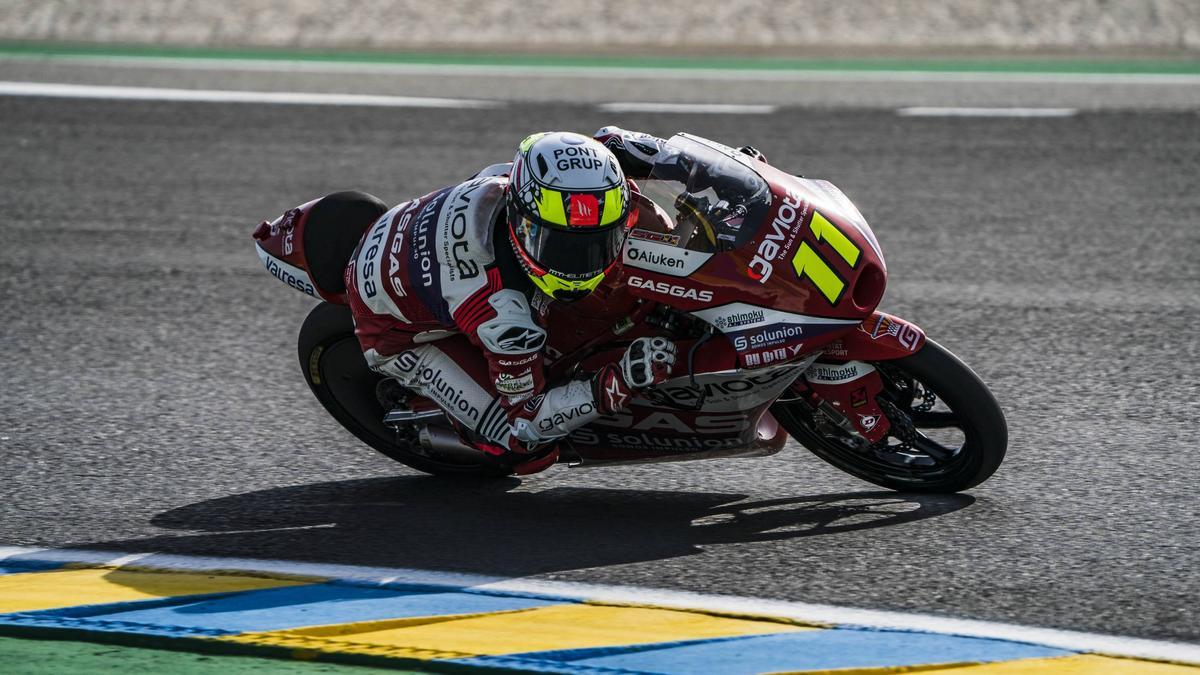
[[568, 205]]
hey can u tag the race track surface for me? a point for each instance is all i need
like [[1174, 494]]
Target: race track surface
[[152, 400]]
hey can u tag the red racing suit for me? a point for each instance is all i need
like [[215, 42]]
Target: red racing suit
[[435, 283]]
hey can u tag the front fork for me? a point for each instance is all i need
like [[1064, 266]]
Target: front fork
[[844, 388]]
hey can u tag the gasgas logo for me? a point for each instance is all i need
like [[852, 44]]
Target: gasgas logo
[[790, 211], [670, 289]]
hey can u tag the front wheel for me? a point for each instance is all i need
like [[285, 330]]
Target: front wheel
[[948, 433]]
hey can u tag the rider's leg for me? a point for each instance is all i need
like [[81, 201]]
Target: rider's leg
[[454, 375]]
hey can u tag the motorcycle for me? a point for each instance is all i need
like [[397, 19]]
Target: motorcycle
[[769, 285]]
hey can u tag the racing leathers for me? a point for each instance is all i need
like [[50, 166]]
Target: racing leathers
[[441, 303]]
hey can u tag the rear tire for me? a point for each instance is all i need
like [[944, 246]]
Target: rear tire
[[333, 365], [979, 416]]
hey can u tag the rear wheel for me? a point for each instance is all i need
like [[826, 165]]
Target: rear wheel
[[333, 366], [947, 430]]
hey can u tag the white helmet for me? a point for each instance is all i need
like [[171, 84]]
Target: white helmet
[[568, 205]]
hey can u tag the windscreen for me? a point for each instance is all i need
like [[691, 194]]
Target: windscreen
[[702, 199]]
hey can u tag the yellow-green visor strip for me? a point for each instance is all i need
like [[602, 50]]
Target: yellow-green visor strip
[[552, 206]]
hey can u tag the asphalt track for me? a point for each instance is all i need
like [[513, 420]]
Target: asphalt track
[[151, 399]]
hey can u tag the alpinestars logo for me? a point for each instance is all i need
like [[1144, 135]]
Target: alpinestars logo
[[520, 340], [616, 397]]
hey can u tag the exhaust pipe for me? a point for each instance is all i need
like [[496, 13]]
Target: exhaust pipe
[[443, 442]]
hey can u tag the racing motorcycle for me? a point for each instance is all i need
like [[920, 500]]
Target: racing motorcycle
[[768, 283]]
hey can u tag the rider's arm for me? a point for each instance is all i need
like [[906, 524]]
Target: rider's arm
[[635, 151], [638, 152]]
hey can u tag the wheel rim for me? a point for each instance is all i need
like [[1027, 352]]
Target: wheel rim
[[930, 439]]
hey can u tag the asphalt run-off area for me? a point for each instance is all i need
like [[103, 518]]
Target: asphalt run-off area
[[1039, 221]]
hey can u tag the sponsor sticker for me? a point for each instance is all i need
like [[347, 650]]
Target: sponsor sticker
[[737, 319], [673, 290], [510, 385], [826, 373], [658, 237], [435, 385], [462, 208], [769, 337], [657, 258], [288, 274], [885, 326], [511, 362], [562, 417], [780, 237], [519, 340], [733, 390], [663, 259], [683, 423], [648, 441]]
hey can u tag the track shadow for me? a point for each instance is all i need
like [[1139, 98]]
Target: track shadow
[[485, 528]]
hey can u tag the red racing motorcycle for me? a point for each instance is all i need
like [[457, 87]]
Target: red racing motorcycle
[[768, 283]]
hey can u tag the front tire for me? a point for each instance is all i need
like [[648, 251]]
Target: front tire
[[924, 465], [333, 365]]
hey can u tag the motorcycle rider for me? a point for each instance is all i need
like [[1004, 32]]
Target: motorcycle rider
[[447, 291]]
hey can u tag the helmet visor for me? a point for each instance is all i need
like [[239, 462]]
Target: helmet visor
[[571, 254]]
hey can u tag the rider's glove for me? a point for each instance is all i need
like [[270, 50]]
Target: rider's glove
[[647, 362]]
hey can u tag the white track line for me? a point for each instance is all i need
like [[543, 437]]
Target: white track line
[[948, 111], [652, 73], [47, 89], [823, 614], [714, 108]]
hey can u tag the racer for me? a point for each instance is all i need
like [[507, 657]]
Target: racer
[[444, 287]]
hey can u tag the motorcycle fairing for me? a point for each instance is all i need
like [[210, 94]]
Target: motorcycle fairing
[[647, 434], [749, 240], [722, 412], [881, 337]]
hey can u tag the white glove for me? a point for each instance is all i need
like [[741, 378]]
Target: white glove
[[648, 362]]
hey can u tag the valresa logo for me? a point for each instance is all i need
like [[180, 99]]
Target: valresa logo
[[292, 276], [671, 289], [653, 258]]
